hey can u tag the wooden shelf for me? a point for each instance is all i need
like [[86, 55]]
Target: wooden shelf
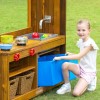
[[35, 92], [21, 70], [28, 95]]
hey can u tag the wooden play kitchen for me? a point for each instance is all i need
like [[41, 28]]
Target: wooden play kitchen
[[21, 62]]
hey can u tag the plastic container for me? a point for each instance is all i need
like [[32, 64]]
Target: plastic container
[[6, 47], [50, 72], [6, 39]]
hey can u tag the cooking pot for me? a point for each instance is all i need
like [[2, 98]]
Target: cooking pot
[[6, 39], [21, 40]]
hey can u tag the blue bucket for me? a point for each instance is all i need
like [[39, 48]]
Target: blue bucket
[[50, 72]]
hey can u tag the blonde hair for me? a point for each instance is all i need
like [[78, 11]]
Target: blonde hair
[[84, 21]]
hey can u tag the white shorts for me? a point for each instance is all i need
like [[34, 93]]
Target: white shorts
[[88, 76]]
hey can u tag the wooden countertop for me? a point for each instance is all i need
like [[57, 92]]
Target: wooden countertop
[[35, 43]]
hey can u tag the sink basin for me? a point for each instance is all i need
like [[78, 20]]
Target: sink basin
[[42, 36]]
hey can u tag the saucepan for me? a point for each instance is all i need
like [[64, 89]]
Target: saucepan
[[21, 40]]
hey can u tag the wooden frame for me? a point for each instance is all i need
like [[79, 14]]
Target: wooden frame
[[57, 44]]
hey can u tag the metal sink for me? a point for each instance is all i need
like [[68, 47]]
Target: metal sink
[[50, 35]]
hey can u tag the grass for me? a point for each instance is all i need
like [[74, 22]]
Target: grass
[[76, 9], [13, 15]]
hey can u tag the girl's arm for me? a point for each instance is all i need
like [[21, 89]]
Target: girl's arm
[[75, 56], [69, 53]]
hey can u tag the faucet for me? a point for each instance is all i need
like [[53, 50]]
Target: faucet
[[46, 18]]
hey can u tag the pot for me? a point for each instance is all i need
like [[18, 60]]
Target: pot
[[6, 39], [21, 40]]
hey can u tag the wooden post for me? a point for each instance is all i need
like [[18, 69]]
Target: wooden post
[[4, 80]]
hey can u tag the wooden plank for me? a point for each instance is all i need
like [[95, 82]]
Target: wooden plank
[[1, 78], [32, 13], [20, 32], [29, 13], [33, 61], [40, 13], [51, 13], [35, 92], [4, 92], [20, 70], [47, 51], [27, 95], [63, 22], [46, 12], [63, 17], [57, 16]]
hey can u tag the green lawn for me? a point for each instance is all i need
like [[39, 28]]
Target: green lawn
[[13, 15], [76, 9]]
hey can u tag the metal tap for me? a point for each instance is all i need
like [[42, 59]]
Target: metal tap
[[46, 18]]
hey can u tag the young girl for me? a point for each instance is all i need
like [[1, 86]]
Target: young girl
[[86, 69]]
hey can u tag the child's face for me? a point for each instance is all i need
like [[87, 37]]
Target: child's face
[[83, 31]]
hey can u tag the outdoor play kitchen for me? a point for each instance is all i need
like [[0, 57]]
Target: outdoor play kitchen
[[27, 68]]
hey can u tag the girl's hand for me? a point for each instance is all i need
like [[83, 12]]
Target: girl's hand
[[56, 58], [69, 53]]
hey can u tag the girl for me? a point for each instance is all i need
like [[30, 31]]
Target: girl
[[86, 69]]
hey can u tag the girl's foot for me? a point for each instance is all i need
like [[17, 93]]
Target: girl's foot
[[92, 85], [64, 89]]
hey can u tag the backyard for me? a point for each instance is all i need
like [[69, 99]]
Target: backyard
[[82, 9]]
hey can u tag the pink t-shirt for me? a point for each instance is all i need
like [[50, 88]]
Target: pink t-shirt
[[88, 62]]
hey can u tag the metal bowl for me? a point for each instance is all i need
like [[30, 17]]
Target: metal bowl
[[21, 40]]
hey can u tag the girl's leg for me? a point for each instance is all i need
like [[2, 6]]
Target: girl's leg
[[67, 87], [82, 84], [80, 87], [69, 66]]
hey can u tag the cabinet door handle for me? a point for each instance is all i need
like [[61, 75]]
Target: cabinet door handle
[[32, 52], [16, 57]]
